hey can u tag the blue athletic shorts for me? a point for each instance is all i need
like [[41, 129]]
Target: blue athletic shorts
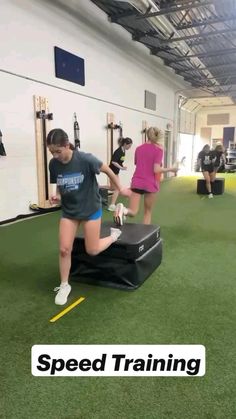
[[96, 215]]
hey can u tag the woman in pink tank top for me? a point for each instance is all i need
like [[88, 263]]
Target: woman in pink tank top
[[146, 177]]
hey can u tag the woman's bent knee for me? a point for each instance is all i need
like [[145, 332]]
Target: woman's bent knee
[[92, 251], [64, 252]]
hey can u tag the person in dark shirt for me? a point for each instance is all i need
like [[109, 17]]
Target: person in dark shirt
[[74, 173], [206, 161], [116, 165], [220, 158]]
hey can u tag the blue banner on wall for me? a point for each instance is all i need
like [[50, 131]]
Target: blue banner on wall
[[69, 66]]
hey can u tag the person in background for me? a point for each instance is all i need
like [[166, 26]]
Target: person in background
[[74, 173], [116, 165], [146, 177], [206, 160], [219, 164]]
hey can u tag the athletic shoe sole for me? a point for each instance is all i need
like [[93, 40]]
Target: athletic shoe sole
[[118, 216]]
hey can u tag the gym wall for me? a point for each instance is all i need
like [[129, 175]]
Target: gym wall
[[203, 115], [217, 129], [117, 72]]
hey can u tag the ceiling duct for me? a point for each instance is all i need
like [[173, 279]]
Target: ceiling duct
[[163, 24]]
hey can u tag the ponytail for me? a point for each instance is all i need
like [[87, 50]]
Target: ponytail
[[155, 135], [124, 141]]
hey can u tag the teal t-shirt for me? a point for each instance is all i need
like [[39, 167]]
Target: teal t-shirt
[[77, 183]]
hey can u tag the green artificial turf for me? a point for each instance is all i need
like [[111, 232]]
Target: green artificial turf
[[189, 299]]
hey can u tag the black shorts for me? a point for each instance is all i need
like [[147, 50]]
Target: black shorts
[[114, 169], [139, 191], [208, 169]]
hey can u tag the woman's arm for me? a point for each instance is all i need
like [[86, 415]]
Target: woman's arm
[[118, 165], [159, 169], [55, 197]]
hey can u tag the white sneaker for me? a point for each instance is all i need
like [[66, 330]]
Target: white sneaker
[[115, 233], [112, 207], [62, 293], [210, 195], [119, 214]]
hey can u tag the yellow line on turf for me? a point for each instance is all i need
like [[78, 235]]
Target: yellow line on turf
[[59, 315]]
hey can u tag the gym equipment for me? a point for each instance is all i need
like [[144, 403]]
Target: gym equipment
[[39, 210], [230, 164], [42, 118], [110, 120], [144, 131], [76, 132], [111, 126], [66, 310], [126, 264], [105, 193], [217, 187], [2, 148], [120, 128]]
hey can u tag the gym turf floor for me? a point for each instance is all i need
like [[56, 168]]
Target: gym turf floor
[[189, 299]]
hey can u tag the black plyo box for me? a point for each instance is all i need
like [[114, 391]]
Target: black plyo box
[[218, 186], [126, 264], [134, 241]]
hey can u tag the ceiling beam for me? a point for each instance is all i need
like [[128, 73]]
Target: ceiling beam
[[157, 50], [114, 17], [183, 71], [178, 2], [187, 70], [216, 77], [205, 22], [195, 36], [137, 34], [209, 86], [225, 84], [167, 49], [206, 82], [220, 65], [225, 92], [170, 10], [206, 54]]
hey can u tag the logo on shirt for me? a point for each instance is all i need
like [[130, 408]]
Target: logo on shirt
[[70, 182], [207, 160]]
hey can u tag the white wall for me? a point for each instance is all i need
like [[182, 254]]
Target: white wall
[[187, 122], [117, 69], [217, 130]]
